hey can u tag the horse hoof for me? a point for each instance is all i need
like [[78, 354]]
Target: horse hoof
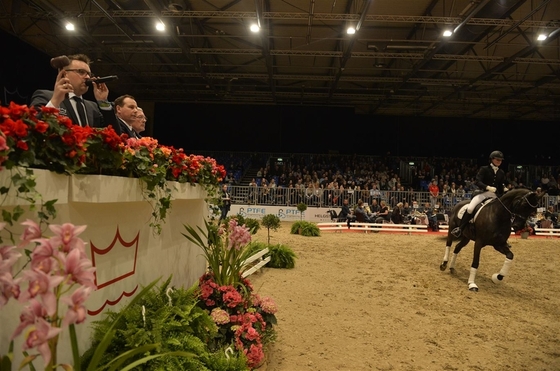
[[452, 271], [443, 266], [473, 287], [497, 278]]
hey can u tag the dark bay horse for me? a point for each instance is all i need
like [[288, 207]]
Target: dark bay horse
[[492, 226]]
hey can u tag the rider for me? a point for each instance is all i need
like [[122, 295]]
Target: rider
[[490, 179]]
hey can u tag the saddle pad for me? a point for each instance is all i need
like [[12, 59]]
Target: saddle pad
[[477, 209]]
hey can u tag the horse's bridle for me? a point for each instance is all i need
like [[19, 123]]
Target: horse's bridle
[[513, 215]]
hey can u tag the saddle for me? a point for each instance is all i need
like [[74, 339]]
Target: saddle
[[477, 209]]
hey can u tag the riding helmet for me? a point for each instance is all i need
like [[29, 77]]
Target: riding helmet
[[497, 154]]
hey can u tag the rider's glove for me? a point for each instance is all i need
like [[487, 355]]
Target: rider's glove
[[491, 189], [506, 189]]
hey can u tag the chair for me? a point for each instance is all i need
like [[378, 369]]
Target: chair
[[335, 217]]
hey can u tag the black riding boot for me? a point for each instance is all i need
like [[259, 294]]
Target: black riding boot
[[464, 222]]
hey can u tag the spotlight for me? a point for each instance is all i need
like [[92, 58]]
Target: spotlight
[[351, 30], [542, 37], [70, 26], [447, 33], [254, 28], [160, 26]]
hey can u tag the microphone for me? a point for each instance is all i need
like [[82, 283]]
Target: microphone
[[101, 80]]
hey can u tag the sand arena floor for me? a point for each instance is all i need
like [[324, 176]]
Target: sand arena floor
[[379, 301]]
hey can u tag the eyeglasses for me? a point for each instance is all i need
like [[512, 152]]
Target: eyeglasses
[[142, 118], [81, 72]]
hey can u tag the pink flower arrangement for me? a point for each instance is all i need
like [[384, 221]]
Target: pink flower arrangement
[[241, 315], [59, 273]]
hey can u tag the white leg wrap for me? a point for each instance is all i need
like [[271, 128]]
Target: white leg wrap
[[472, 276], [505, 268], [498, 277], [446, 256], [453, 259]]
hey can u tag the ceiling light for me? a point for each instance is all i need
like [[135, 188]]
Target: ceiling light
[[160, 26], [254, 28], [70, 26], [351, 30], [447, 33], [542, 37]]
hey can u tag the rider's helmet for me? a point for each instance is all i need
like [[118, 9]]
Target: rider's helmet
[[497, 154]]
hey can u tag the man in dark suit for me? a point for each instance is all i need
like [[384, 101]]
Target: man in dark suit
[[126, 111], [139, 124], [226, 202], [69, 87]]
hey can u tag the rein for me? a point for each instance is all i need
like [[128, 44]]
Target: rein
[[513, 215]]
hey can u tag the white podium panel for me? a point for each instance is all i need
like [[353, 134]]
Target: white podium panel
[[123, 247]]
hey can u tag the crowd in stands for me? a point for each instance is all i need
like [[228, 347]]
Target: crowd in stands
[[325, 180]]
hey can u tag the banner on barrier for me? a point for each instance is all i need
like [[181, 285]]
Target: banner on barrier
[[285, 213]]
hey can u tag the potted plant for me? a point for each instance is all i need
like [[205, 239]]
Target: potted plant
[[301, 208]]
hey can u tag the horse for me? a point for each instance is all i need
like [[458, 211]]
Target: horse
[[492, 226]]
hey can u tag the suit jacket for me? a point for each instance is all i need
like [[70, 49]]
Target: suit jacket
[[96, 117], [125, 130]]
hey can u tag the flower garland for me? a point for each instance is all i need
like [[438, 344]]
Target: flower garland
[[47, 140]]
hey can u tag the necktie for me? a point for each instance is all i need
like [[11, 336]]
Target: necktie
[[81, 110]]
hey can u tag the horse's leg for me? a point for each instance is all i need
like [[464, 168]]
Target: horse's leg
[[498, 277], [448, 243], [462, 243], [474, 266]]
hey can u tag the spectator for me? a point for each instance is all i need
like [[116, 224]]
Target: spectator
[[434, 192]]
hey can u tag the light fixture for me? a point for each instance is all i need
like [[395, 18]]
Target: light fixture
[[70, 26], [447, 33], [160, 26], [254, 28], [351, 30], [542, 37]]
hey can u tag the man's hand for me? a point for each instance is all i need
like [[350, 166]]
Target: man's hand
[[506, 189], [100, 91], [62, 87], [491, 189]]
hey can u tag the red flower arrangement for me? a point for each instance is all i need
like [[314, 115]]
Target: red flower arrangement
[[47, 140], [243, 317]]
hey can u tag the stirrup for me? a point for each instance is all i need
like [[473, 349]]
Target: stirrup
[[456, 232]]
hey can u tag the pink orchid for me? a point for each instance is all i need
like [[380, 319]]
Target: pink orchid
[[8, 257], [42, 255], [76, 310], [8, 288], [31, 232], [79, 269], [41, 284], [39, 336], [29, 316], [66, 236]]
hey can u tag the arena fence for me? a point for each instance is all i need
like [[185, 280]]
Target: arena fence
[[327, 198]]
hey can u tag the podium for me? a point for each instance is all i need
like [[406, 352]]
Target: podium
[[125, 250]]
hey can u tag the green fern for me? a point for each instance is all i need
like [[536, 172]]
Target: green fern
[[180, 327], [305, 229], [281, 256]]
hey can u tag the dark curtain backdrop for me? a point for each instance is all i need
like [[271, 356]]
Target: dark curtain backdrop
[[320, 129]]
